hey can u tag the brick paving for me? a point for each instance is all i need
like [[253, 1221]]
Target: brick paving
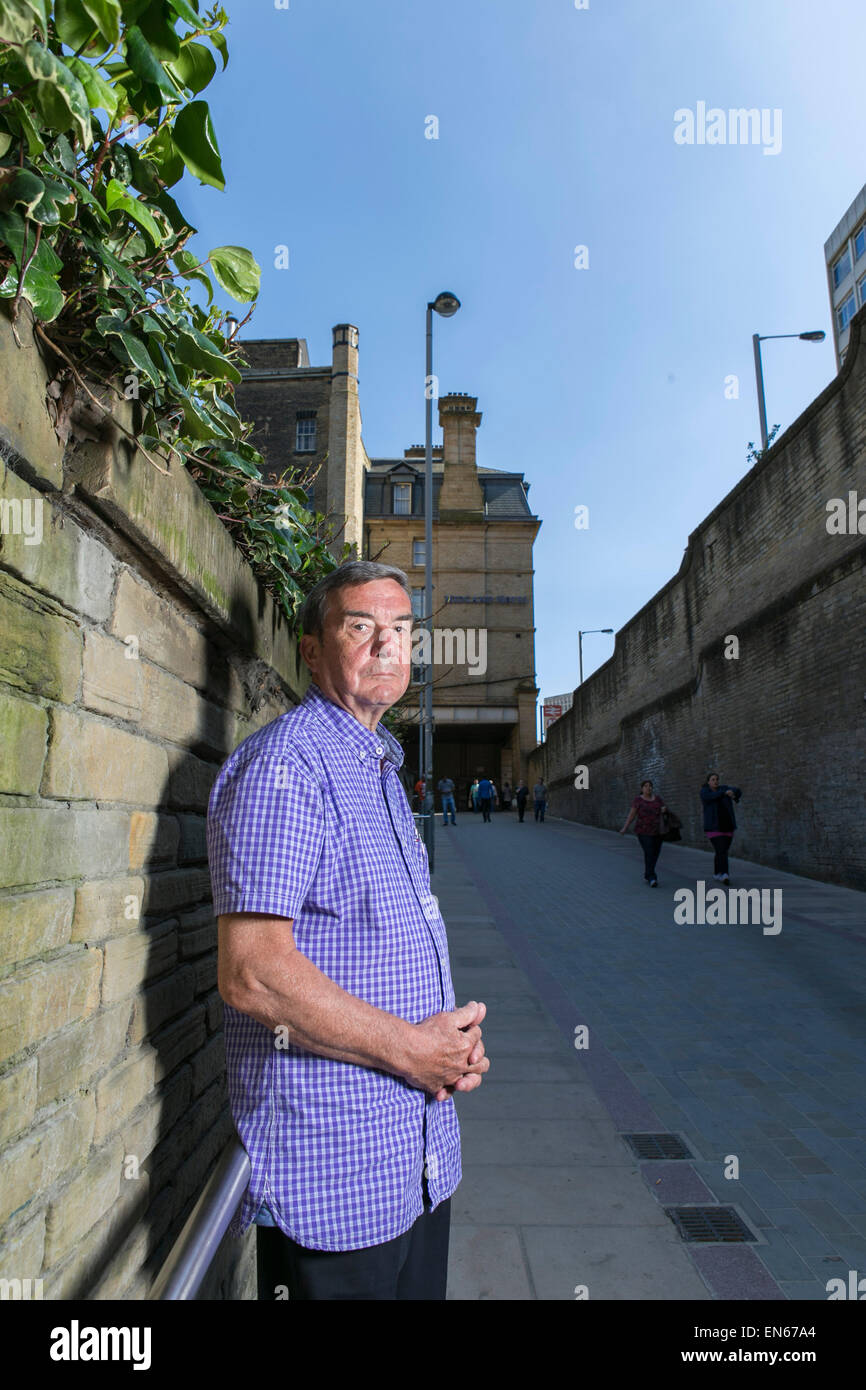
[[746, 1044]]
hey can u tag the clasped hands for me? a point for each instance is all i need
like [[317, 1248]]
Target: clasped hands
[[447, 1053]]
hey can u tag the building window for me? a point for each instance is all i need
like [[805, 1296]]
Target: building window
[[860, 242], [417, 603], [842, 268], [845, 313], [402, 498], [418, 675], [305, 432], [419, 552], [863, 291]]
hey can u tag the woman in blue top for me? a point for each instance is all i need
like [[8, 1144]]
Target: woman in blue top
[[719, 821]]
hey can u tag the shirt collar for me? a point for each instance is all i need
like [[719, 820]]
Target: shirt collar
[[366, 744]]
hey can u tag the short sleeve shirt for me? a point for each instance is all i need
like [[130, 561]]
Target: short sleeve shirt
[[648, 815], [308, 820]]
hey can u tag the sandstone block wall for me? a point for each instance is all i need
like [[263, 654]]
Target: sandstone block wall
[[784, 717], [136, 650]]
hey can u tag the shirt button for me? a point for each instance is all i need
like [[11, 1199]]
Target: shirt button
[[379, 749]]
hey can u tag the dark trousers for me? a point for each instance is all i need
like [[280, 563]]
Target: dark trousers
[[485, 802], [721, 844], [539, 810], [652, 848], [413, 1266], [521, 807]]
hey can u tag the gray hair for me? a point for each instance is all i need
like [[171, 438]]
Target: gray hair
[[311, 615]]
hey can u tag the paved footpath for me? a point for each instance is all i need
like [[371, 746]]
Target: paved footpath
[[744, 1043]]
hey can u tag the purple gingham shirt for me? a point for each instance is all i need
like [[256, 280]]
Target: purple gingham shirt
[[308, 819]]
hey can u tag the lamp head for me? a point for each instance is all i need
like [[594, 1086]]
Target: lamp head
[[446, 304], [816, 336]]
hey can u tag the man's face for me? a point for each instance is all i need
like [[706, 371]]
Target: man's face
[[362, 660]]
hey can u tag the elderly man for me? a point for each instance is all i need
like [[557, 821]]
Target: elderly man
[[343, 1043]]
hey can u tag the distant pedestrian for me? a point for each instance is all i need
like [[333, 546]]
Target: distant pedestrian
[[719, 821], [446, 791], [647, 809], [486, 793], [473, 796], [521, 796], [420, 794], [506, 796], [539, 796]]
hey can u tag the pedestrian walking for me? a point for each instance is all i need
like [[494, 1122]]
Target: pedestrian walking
[[539, 795], [719, 821], [420, 794], [446, 791], [521, 796], [486, 793], [473, 796], [506, 796], [343, 1048], [647, 810]]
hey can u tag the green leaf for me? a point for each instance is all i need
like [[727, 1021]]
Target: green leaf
[[13, 231], [40, 290], [105, 13], [198, 351], [219, 42], [142, 173], [18, 116], [184, 10], [144, 63], [100, 95], [62, 151], [228, 458], [199, 421], [194, 67], [75, 27], [116, 197], [112, 327], [60, 97], [236, 272], [158, 29], [188, 266], [160, 148], [194, 138], [18, 19], [100, 253], [39, 196], [5, 141]]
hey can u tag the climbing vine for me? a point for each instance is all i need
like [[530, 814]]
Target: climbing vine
[[100, 116]]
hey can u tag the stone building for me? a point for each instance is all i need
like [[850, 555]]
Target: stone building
[[308, 420], [845, 255], [483, 533]]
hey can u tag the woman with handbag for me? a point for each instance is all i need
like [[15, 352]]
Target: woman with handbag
[[648, 809]]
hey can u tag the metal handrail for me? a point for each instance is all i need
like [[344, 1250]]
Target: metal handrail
[[191, 1255]]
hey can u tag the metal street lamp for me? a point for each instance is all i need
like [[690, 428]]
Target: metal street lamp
[[580, 636], [816, 335], [446, 305]]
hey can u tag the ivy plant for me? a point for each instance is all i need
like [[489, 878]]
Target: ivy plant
[[100, 116]]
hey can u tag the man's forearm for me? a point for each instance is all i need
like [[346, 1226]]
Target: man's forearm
[[323, 1018]]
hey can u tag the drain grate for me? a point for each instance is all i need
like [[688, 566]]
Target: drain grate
[[706, 1224], [668, 1146]]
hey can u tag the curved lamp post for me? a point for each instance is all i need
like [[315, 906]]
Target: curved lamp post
[[814, 336]]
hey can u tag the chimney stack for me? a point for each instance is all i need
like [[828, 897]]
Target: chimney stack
[[461, 491]]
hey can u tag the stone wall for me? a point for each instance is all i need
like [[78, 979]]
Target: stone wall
[[780, 711], [136, 650]]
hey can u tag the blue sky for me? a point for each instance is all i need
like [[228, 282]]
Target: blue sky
[[605, 386]]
